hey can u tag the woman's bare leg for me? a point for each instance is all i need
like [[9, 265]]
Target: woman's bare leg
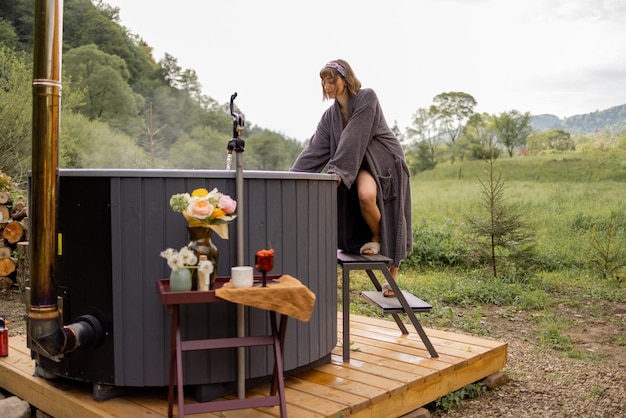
[[394, 272], [366, 187]]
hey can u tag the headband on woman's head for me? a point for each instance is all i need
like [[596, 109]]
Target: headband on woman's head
[[336, 66]]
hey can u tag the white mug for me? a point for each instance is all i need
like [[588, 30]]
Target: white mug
[[241, 276]]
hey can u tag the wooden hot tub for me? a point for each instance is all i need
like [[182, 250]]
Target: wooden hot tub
[[114, 223]]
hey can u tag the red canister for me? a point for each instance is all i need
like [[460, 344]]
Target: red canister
[[4, 338]]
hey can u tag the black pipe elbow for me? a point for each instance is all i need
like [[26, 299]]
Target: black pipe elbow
[[85, 332]]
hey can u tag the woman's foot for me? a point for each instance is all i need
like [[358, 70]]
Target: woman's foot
[[371, 248], [388, 291]]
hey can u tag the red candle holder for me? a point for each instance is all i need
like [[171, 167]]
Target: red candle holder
[[263, 263]]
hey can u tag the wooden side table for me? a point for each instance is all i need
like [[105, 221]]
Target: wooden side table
[[173, 300]]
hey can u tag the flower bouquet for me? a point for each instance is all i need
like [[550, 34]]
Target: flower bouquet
[[206, 209], [182, 262], [185, 259]]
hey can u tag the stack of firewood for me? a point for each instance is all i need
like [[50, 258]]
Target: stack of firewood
[[14, 232]]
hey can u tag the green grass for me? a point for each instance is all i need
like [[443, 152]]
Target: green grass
[[574, 167], [563, 215]]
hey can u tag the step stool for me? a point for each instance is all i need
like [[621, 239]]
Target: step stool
[[404, 302]]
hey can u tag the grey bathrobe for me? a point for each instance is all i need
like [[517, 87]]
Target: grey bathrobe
[[366, 142]]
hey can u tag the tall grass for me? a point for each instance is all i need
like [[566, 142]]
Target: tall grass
[[563, 215], [563, 167]]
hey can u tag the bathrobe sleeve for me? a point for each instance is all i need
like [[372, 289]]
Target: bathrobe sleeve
[[315, 156]]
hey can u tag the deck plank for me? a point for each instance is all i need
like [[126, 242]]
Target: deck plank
[[388, 375], [326, 393], [302, 404], [446, 353], [377, 363], [432, 333], [374, 366]]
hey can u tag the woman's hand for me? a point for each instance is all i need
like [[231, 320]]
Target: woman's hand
[[339, 178]]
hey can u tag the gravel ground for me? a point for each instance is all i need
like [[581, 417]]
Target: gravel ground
[[548, 383]]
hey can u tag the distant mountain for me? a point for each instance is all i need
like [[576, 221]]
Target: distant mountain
[[611, 120]]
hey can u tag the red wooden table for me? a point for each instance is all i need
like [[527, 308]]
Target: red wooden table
[[173, 300]]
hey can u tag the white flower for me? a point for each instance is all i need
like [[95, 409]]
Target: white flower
[[205, 266], [177, 260]]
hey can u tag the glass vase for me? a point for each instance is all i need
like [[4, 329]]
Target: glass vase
[[201, 244], [180, 280]]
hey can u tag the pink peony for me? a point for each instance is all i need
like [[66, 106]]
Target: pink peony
[[227, 204]]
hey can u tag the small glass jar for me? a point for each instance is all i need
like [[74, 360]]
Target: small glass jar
[[204, 276]]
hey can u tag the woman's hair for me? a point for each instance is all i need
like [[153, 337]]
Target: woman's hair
[[340, 68]]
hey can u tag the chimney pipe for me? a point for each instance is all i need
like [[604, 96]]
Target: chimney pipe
[[44, 324]]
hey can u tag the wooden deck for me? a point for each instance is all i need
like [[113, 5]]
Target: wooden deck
[[388, 375]]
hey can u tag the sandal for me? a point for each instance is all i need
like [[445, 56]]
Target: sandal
[[372, 247], [388, 291]]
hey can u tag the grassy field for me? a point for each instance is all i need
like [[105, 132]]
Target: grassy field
[[562, 215], [574, 206], [554, 168]]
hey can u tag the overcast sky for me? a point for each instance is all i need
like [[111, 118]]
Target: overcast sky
[[539, 56]]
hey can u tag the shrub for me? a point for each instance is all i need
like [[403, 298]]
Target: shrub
[[435, 246]]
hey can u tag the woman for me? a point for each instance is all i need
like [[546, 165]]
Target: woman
[[353, 139]]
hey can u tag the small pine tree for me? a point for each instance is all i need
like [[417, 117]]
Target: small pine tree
[[500, 233], [608, 255], [151, 142]]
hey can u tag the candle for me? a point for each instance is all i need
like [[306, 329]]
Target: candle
[[241, 276]]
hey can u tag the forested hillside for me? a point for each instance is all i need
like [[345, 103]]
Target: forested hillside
[[611, 120], [120, 108]]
